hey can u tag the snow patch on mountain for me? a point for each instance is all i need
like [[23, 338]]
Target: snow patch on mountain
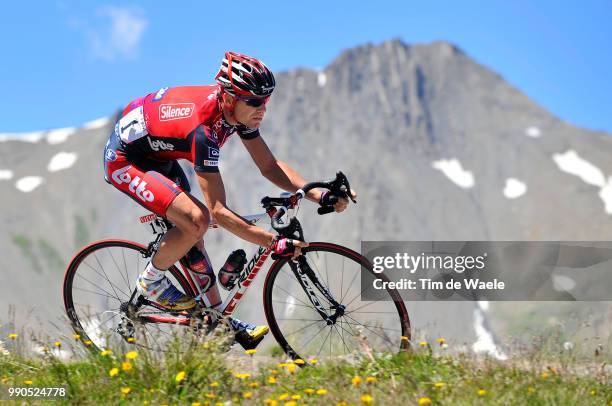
[[533, 132], [321, 79], [56, 136], [28, 183], [61, 160], [485, 342], [571, 163], [98, 123], [454, 171], [60, 135], [25, 137], [514, 188], [6, 174]]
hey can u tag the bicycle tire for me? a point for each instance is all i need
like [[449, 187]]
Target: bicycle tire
[[358, 263], [71, 274]]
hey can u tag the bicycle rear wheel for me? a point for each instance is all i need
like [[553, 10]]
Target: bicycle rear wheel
[[98, 284], [364, 327]]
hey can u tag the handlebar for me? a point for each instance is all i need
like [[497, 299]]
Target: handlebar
[[338, 187]]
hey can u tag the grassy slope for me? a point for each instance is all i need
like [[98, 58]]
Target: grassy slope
[[208, 378]]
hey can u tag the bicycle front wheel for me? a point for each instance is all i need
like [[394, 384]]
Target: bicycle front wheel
[[98, 284], [364, 327]]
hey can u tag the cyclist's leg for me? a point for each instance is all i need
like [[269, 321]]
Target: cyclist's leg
[[197, 258], [157, 193]]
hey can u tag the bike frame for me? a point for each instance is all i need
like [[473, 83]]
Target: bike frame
[[229, 305]]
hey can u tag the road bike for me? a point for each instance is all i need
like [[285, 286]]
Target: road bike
[[313, 304]]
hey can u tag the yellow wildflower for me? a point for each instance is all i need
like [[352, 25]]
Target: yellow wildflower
[[58, 344], [254, 384], [271, 380], [424, 344], [299, 361], [439, 385], [424, 401], [247, 395], [296, 397], [113, 372], [13, 336], [482, 392], [441, 340], [290, 403], [356, 381], [283, 396], [126, 366], [366, 398], [28, 382], [77, 337], [131, 340], [126, 390], [214, 384], [274, 372], [195, 403], [404, 338], [313, 361], [544, 375], [180, 376], [291, 368], [371, 379], [309, 391], [211, 395], [104, 353], [131, 355], [242, 376], [270, 402], [282, 365], [321, 391], [250, 352], [87, 342]]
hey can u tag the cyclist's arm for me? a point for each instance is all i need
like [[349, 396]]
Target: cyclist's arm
[[276, 171], [214, 193]]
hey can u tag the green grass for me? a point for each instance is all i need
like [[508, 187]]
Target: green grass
[[208, 377]]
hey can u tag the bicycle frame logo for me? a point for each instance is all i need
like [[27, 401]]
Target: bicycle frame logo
[[247, 276]]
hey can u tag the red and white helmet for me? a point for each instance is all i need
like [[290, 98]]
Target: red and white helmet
[[247, 76]]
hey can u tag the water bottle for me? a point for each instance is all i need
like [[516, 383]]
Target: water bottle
[[198, 262], [230, 272]]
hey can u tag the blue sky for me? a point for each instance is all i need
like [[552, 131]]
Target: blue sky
[[65, 62]]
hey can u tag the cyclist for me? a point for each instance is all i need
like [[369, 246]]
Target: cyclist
[[193, 123]]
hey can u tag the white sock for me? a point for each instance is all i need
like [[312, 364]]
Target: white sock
[[151, 273]]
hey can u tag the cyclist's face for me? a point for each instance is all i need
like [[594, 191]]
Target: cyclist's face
[[249, 116]]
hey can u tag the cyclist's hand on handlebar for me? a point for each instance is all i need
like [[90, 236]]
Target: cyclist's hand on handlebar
[[339, 203], [288, 247]]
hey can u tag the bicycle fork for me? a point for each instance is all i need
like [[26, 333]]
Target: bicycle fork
[[307, 278]]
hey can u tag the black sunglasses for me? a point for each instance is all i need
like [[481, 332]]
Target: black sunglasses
[[254, 101]]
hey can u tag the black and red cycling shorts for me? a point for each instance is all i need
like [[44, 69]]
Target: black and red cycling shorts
[[152, 184]]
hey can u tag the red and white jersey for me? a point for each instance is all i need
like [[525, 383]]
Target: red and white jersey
[[178, 122]]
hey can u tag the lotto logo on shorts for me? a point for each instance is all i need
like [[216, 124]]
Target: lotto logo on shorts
[[137, 186], [175, 111]]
